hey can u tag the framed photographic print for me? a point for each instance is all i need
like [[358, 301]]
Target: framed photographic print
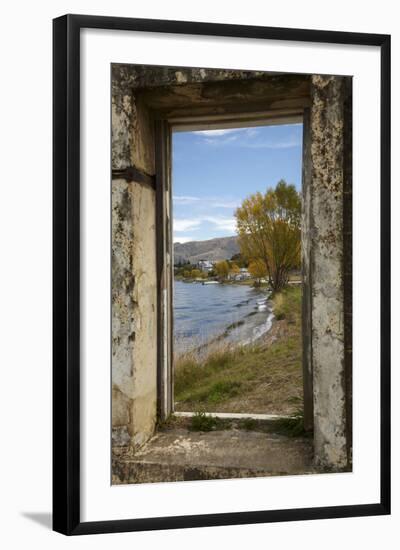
[[221, 274]]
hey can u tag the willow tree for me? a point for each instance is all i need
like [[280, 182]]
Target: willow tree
[[234, 269], [258, 269], [268, 227], [222, 269]]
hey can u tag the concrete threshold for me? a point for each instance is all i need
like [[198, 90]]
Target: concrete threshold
[[182, 455], [234, 416]]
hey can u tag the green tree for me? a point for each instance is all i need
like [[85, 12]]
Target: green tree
[[186, 273], [269, 229]]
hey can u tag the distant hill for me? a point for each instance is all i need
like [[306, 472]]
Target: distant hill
[[213, 249]]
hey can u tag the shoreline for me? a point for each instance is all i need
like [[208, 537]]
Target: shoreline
[[227, 335], [244, 282], [262, 378]]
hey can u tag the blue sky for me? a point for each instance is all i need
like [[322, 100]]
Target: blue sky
[[214, 170]]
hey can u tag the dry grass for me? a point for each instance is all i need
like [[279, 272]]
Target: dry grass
[[262, 378]]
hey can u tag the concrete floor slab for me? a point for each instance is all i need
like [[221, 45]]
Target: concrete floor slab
[[179, 455]]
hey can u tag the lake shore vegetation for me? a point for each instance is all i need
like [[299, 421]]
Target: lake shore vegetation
[[262, 377]]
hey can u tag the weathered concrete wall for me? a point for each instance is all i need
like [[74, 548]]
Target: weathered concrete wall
[[127, 77], [134, 310], [306, 318], [137, 93], [134, 284], [184, 91], [123, 323], [141, 94], [348, 259], [121, 127], [327, 180]]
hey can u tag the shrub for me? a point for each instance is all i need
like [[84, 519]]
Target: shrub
[[201, 422], [248, 424], [292, 426]]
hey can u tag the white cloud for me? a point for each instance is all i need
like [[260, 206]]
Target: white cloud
[[245, 138], [186, 224], [226, 204], [215, 133], [185, 239], [207, 202], [184, 199], [287, 144], [250, 132], [222, 223], [227, 135], [221, 141]]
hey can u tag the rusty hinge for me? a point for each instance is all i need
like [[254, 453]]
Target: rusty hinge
[[131, 173]]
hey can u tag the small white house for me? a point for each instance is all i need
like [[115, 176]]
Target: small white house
[[244, 274], [205, 265]]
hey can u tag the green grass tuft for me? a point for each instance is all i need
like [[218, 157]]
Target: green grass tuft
[[248, 424], [201, 422], [291, 427], [222, 390]]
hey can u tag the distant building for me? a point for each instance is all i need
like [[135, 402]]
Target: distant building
[[242, 276], [205, 265]]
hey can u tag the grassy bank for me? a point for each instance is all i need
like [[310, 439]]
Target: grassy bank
[[261, 378]]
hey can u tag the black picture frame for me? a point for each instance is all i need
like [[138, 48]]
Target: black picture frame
[[66, 273]]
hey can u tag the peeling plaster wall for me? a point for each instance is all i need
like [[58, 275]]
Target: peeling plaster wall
[[129, 77], [137, 92], [121, 128], [327, 180], [134, 284], [134, 310], [306, 318], [123, 321]]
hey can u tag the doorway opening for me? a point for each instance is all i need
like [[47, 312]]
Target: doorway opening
[[237, 292], [150, 107]]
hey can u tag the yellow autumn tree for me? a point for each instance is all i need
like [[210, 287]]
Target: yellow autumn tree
[[268, 227], [258, 269], [234, 269], [222, 269], [195, 273]]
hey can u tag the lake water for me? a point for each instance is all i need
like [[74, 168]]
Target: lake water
[[203, 312]]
